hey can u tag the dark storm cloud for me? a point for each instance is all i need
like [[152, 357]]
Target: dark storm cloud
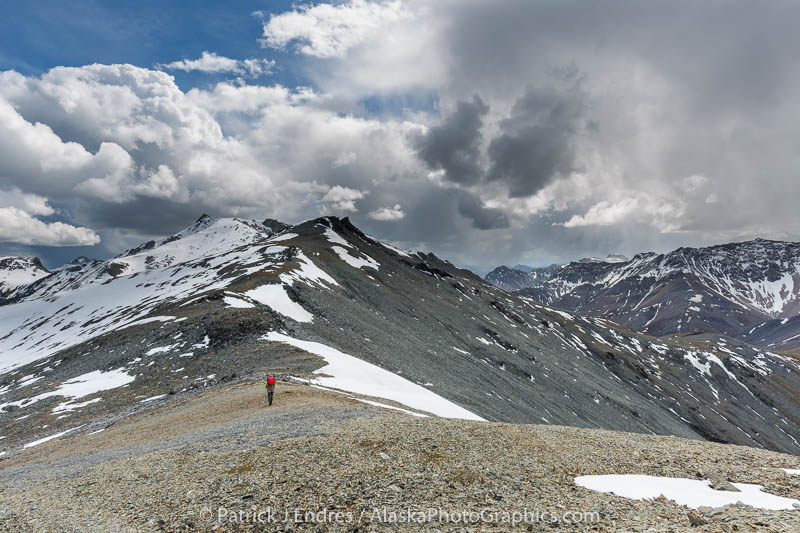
[[536, 143], [482, 217], [139, 215], [533, 147], [454, 145]]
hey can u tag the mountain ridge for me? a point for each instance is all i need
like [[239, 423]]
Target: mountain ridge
[[733, 289], [322, 294]]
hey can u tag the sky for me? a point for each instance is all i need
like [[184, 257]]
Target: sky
[[489, 132]]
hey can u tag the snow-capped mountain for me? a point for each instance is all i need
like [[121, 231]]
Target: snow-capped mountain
[[16, 272], [512, 279], [734, 289], [231, 297], [522, 277], [610, 258]]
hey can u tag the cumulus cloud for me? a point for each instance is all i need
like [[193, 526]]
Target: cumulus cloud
[[340, 198], [388, 213], [660, 213], [210, 62], [30, 203], [326, 30], [19, 225], [133, 151]]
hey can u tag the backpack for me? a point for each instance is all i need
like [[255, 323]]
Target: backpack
[[270, 381]]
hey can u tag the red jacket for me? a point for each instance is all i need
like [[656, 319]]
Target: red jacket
[[270, 381]]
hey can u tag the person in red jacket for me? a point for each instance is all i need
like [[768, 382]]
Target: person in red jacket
[[270, 388]]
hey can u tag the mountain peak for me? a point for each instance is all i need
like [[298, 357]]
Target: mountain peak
[[275, 225], [18, 271]]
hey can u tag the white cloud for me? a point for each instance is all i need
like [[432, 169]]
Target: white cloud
[[30, 203], [370, 48], [326, 30], [160, 183], [18, 225], [662, 214], [212, 63], [344, 159], [120, 134], [341, 198], [388, 213]]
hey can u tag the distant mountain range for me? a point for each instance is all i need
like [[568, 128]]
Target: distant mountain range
[[523, 276], [232, 297], [746, 290], [520, 277]]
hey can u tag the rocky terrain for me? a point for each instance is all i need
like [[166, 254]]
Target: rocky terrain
[[229, 298], [512, 279], [219, 460], [747, 290]]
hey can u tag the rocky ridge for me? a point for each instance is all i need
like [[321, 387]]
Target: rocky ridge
[[82, 345]]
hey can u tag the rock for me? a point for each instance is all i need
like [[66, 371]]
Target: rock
[[717, 512], [383, 456], [695, 519], [720, 483]]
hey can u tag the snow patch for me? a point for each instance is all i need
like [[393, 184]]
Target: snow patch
[[237, 303], [276, 298], [78, 387], [51, 437], [353, 375], [355, 262], [283, 237], [692, 493], [161, 349], [153, 398], [68, 406]]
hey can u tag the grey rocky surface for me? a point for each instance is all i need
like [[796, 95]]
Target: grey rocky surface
[[214, 461]]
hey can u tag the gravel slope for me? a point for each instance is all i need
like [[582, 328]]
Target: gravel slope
[[195, 463]]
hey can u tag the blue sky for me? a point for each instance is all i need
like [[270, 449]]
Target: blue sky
[[37, 36], [503, 131]]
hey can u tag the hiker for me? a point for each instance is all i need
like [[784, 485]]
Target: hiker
[[270, 388]]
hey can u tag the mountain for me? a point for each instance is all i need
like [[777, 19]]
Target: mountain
[[610, 258], [323, 302], [747, 290], [512, 279], [522, 277], [16, 272]]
